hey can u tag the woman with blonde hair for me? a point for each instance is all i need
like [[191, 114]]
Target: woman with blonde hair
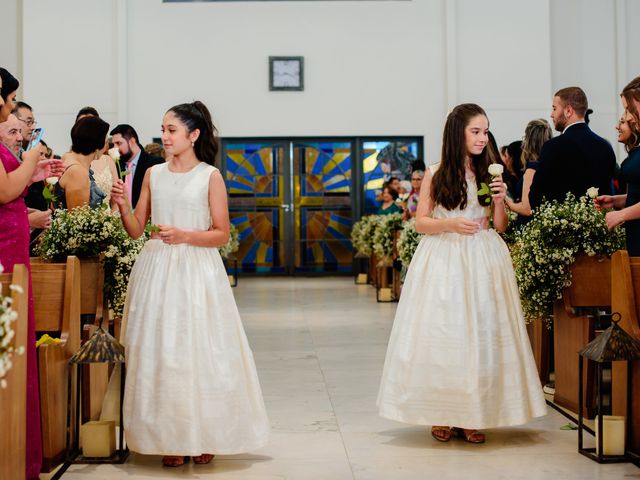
[[535, 135]]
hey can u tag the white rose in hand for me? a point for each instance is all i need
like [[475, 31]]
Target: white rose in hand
[[52, 180], [495, 169], [592, 192], [114, 153]]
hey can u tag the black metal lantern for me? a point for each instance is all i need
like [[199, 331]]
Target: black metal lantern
[[612, 345], [100, 348], [361, 268]]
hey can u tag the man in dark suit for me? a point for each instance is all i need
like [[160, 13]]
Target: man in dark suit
[[133, 159], [576, 160]]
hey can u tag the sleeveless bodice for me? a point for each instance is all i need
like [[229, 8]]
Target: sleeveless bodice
[[181, 199], [96, 195], [474, 210], [104, 181]]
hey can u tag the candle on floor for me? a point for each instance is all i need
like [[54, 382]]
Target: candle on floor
[[613, 428]]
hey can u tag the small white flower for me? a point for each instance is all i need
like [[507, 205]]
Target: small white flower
[[495, 169], [52, 180], [16, 288], [114, 153], [592, 192]]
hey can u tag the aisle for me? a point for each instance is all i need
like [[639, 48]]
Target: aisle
[[319, 346]]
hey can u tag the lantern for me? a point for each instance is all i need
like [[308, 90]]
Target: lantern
[[612, 345]]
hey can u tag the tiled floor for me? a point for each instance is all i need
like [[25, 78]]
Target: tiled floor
[[319, 345]]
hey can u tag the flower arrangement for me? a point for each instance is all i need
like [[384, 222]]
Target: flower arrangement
[[384, 234], [90, 232], [362, 233], [408, 242], [233, 244], [547, 246], [7, 350]]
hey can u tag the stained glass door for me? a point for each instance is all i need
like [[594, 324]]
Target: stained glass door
[[323, 210]]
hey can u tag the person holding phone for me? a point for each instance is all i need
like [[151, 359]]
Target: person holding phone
[[14, 250]]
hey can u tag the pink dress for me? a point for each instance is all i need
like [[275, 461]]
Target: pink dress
[[14, 249]]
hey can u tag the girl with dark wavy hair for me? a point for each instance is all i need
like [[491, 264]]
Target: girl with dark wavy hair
[[191, 388], [459, 357]]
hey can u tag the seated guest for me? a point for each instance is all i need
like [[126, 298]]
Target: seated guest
[[389, 197], [576, 160], [537, 133], [627, 207], [77, 185]]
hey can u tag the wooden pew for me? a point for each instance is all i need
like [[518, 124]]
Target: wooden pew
[[56, 304], [13, 399], [625, 299], [591, 287]]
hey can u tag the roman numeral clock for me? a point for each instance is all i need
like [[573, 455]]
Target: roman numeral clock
[[286, 73]]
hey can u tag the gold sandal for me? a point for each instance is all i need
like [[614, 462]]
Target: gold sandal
[[470, 435], [442, 434]]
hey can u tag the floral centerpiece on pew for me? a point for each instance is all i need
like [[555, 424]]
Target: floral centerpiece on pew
[[7, 316], [89, 232], [547, 246], [362, 234], [384, 235], [408, 242]]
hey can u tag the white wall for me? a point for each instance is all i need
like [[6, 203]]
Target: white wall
[[10, 34], [371, 68]]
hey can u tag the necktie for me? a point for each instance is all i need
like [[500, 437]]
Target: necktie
[[128, 181]]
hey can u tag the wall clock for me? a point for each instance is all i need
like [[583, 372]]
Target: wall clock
[[286, 73]]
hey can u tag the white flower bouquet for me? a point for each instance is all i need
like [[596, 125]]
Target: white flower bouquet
[[362, 233], [233, 244], [384, 234], [7, 350], [89, 232], [408, 242], [547, 246]]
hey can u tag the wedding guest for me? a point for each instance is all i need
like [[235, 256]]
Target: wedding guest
[[14, 250], [389, 206], [627, 206], [394, 184], [103, 167], [412, 201], [576, 160], [459, 356], [24, 113], [133, 159], [514, 167], [77, 185], [536, 134], [205, 376], [155, 150]]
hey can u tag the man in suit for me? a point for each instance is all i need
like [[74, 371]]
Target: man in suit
[[576, 160], [133, 159]]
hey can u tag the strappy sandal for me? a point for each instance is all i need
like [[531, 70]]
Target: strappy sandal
[[203, 459], [442, 434], [174, 460], [471, 436]]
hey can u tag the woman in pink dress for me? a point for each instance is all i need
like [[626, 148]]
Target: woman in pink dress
[[14, 249]]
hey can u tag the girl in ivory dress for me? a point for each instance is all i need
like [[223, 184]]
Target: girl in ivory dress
[[191, 387], [459, 357]]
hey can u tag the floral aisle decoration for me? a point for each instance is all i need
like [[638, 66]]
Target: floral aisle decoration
[[384, 234], [89, 232], [233, 244], [7, 316], [408, 242], [547, 246], [362, 234]]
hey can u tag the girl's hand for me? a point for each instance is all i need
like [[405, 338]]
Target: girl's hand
[[172, 235], [614, 219], [604, 201], [499, 189], [117, 193], [463, 226]]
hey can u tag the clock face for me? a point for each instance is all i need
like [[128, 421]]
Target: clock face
[[286, 73]]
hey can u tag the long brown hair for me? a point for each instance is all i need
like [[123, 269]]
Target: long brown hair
[[630, 93], [538, 131], [449, 185]]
